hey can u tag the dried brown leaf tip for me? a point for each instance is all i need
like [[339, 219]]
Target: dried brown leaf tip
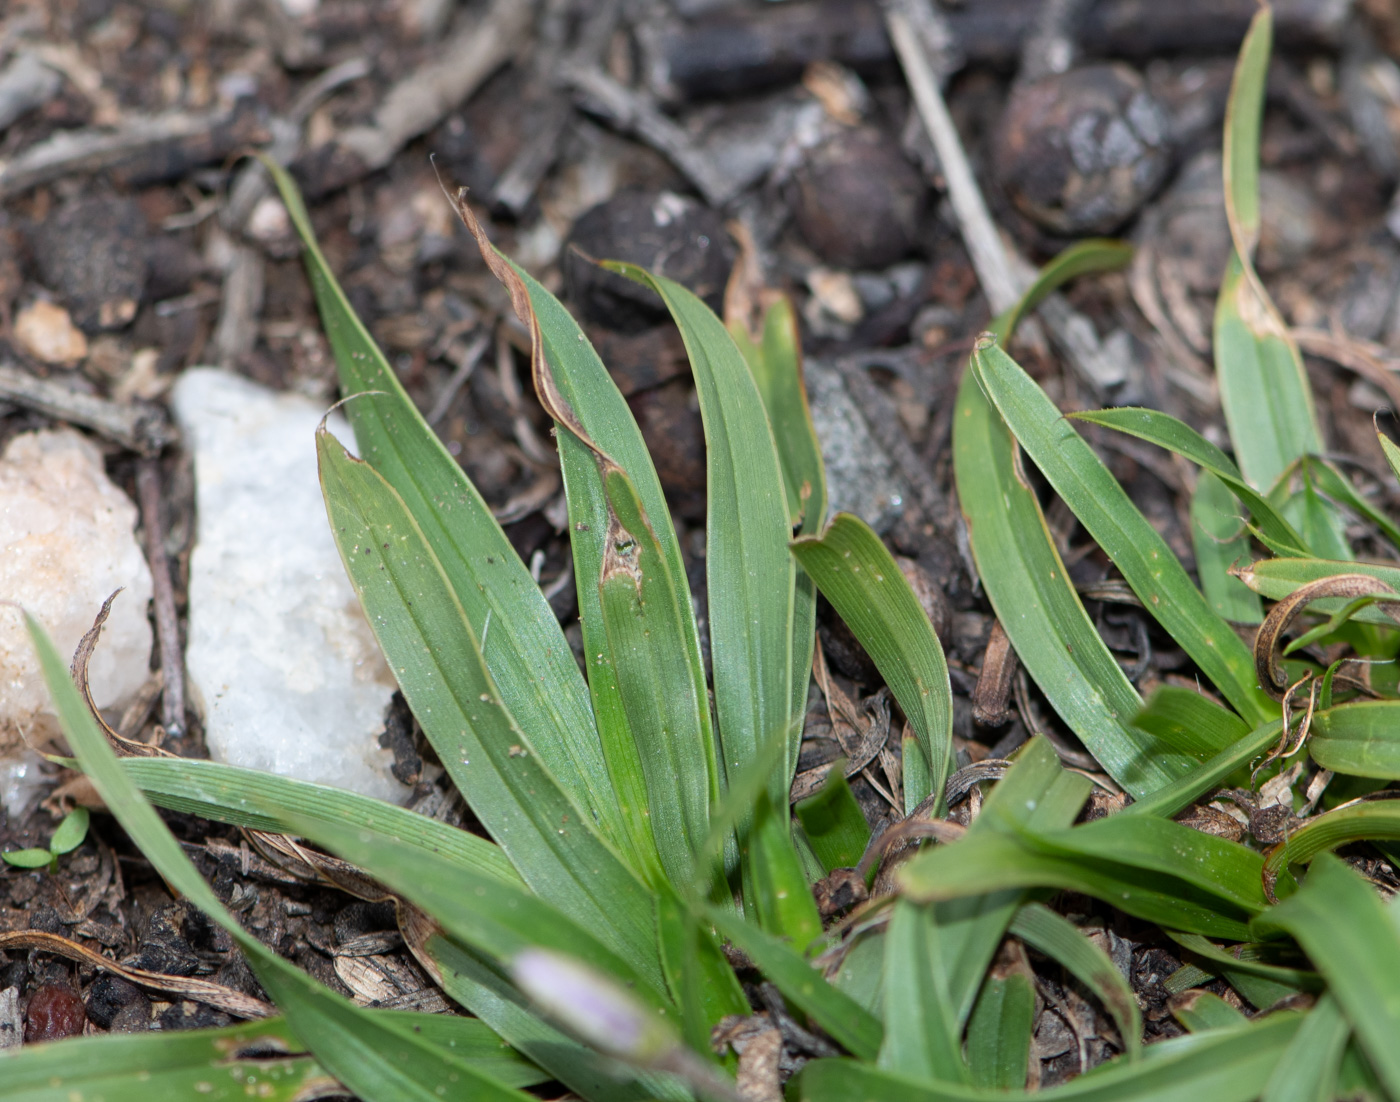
[[1268, 662], [546, 389]]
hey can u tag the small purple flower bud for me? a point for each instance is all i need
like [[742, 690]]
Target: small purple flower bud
[[594, 1007]]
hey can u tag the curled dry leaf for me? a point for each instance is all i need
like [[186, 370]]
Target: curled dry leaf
[[1267, 660]]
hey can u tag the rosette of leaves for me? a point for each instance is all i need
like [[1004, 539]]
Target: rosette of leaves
[[638, 810], [645, 879]]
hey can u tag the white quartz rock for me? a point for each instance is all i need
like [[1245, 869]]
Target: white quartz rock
[[66, 543], [280, 657]]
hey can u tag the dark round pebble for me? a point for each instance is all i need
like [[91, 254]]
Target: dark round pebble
[[857, 200], [110, 994], [1080, 152], [669, 234], [94, 253]]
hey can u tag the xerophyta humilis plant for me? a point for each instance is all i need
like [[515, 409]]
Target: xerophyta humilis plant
[[646, 880]]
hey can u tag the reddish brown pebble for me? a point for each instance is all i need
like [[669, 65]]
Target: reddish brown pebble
[[54, 1012]]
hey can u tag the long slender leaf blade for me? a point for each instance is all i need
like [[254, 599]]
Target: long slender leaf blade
[[1263, 387], [1220, 541], [491, 917], [1225, 1066], [1036, 794], [596, 404], [664, 698], [1036, 602], [998, 862], [1360, 739], [775, 362], [923, 1031], [380, 1061], [1308, 1069], [1336, 486], [999, 1033], [1392, 453], [1148, 564], [528, 655], [1082, 258], [1225, 869], [1245, 959], [139, 1067], [783, 902], [1173, 797], [436, 656], [834, 823], [1190, 722], [1166, 431], [749, 572], [845, 1021], [1317, 518], [1027, 583], [1206, 1010], [861, 974], [1277, 578], [858, 575], [701, 980], [1059, 939], [1378, 821], [1340, 921], [228, 794]]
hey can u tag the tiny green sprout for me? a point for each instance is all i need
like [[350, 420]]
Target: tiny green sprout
[[68, 837]]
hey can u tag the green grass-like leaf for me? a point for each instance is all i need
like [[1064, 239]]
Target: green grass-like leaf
[[528, 656], [265, 801], [434, 652], [1340, 921], [999, 1033], [775, 362], [845, 1020], [381, 1061], [1220, 540], [646, 616], [597, 409], [1166, 431], [1263, 387], [1059, 939], [1225, 1066], [1173, 797], [1361, 739], [1278, 578], [1102, 506], [834, 823], [1027, 582], [1152, 868], [860, 578], [141, 1067], [1308, 1069], [749, 573], [923, 1026]]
